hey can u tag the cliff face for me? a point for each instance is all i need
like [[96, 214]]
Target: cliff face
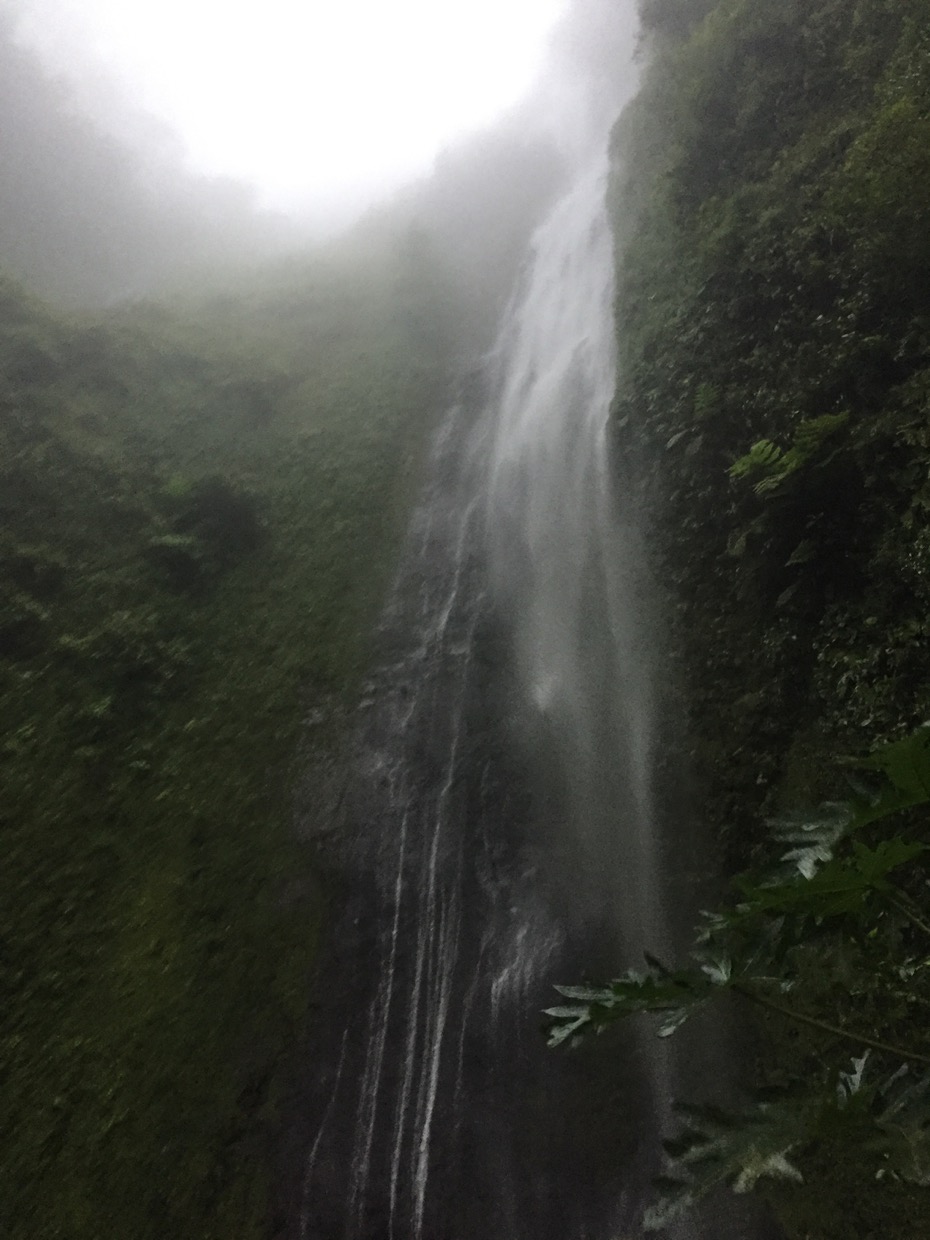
[[771, 196], [771, 191]]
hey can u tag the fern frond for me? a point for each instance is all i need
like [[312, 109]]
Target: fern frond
[[761, 458]]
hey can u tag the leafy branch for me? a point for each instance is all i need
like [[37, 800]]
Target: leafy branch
[[838, 886]]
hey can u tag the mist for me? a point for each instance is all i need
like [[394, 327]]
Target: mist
[[89, 216], [106, 199]]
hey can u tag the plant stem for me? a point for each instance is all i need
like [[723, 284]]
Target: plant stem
[[902, 907], [824, 1027]]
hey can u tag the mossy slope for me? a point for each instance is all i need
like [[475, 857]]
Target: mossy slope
[[198, 513]]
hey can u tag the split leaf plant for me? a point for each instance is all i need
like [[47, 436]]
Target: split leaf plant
[[833, 938]]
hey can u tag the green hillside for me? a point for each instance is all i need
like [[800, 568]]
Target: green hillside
[[199, 512]]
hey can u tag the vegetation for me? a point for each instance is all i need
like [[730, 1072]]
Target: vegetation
[[200, 501], [832, 940], [774, 276], [774, 291], [198, 512]]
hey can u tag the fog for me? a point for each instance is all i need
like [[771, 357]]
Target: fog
[[313, 104], [149, 143]]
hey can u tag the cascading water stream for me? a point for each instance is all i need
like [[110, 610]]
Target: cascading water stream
[[566, 564], [501, 831]]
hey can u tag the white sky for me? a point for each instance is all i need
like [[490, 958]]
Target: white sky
[[310, 101]]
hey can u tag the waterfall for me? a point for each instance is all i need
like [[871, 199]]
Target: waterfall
[[566, 564], [500, 830]]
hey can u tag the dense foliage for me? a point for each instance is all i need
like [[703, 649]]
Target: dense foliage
[[775, 290], [198, 509], [774, 305], [830, 938]]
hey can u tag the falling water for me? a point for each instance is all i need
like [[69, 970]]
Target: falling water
[[567, 564], [500, 831]]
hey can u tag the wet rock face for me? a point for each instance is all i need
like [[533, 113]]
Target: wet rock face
[[435, 1111], [501, 831], [432, 1107]]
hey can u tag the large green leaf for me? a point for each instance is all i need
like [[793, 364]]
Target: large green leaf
[[903, 1122], [831, 893], [842, 886], [904, 766], [721, 1148], [672, 994]]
